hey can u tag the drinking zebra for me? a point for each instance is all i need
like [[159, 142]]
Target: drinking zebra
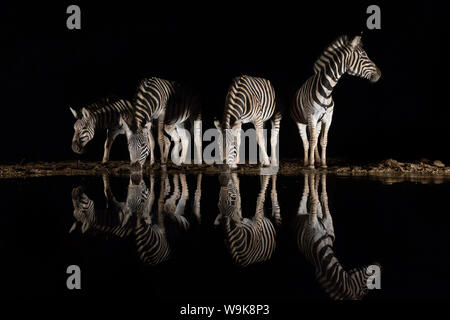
[[112, 114], [249, 99], [248, 240], [315, 238], [136, 217], [171, 104], [313, 104]]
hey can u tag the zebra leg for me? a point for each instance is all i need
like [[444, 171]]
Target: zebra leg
[[274, 198], [110, 137], [324, 141], [197, 197], [237, 136], [312, 141], [184, 141], [316, 150], [172, 132], [198, 141], [304, 136], [262, 143], [161, 141], [152, 147], [274, 139]]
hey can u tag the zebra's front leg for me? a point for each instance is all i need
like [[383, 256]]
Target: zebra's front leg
[[312, 141], [161, 141], [237, 136], [324, 141], [262, 144], [304, 136], [316, 150], [110, 137], [152, 147]]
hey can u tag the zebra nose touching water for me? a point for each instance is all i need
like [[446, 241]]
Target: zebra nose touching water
[[172, 105], [112, 114], [313, 105]]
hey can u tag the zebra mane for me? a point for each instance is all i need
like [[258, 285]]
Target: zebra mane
[[341, 42], [101, 103]]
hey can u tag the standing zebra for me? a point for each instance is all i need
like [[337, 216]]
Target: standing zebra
[[112, 114], [172, 105], [248, 240], [249, 99], [315, 238], [313, 104]]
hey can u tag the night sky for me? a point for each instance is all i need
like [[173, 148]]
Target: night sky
[[47, 68]]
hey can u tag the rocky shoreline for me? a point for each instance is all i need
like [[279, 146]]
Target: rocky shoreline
[[387, 168]]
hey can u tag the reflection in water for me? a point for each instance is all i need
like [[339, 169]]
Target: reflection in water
[[248, 240], [150, 228], [315, 237]]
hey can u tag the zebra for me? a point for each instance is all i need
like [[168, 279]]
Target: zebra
[[315, 238], [113, 114], [249, 99], [249, 241], [113, 220], [312, 106], [172, 105]]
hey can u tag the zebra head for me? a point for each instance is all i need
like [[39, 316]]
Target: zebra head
[[83, 209], [84, 129], [229, 147], [359, 64], [139, 146]]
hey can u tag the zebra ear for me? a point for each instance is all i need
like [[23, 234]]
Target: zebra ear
[[217, 124], [74, 112], [85, 112], [355, 42]]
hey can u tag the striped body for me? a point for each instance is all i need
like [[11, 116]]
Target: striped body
[[249, 99], [249, 241], [112, 114], [313, 105], [171, 104], [315, 238]]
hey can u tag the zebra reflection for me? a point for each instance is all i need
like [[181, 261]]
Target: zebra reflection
[[252, 240], [137, 218], [315, 238]]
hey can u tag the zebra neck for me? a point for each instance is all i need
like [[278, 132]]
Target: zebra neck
[[325, 82]]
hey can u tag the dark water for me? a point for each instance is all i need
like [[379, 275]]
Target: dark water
[[403, 227]]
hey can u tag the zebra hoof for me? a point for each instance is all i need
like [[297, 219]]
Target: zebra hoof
[[324, 166], [311, 167]]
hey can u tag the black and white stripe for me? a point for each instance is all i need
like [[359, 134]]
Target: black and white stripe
[[313, 105], [249, 99], [171, 104], [112, 114], [249, 241], [315, 238]]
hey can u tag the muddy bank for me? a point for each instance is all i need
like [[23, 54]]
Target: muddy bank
[[395, 170]]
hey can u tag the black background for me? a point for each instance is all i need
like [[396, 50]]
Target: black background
[[48, 67]]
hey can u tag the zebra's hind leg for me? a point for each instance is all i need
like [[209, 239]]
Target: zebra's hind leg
[[184, 135], [262, 144], [110, 137], [172, 132], [304, 136], [198, 141]]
